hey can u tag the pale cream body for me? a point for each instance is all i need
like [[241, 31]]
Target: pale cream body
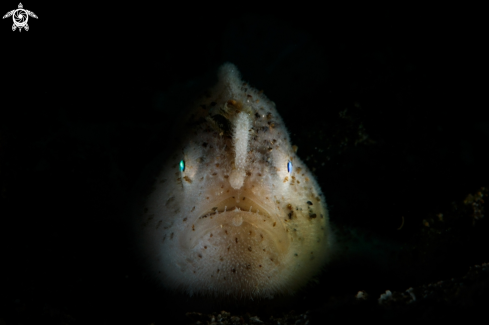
[[235, 222]]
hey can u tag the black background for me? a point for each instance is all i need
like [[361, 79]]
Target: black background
[[87, 90]]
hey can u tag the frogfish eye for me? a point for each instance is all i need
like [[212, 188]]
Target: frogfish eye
[[289, 166], [182, 165]]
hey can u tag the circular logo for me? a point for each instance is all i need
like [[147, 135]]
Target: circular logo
[[20, 17]]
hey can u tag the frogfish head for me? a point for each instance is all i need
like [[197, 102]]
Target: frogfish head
[[232, 210]]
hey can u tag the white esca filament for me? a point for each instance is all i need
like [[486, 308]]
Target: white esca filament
[[241, 135]]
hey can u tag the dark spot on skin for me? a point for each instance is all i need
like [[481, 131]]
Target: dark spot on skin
[[223, 123], [274, 224], [200, 256], [192, 210], [204, 144], [193, 227], [257, 115], [171, 236], [217, 271], [236, 240], [205, 247], [211, 235], [170, 200], [249, 248], [290, 214], [289, 206], [312, 215], [309, 202], [234, 270], [186, 178]]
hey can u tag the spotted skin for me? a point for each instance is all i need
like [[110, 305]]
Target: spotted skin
[[244, 217]]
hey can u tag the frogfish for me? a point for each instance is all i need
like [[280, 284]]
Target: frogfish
[[232, 211]]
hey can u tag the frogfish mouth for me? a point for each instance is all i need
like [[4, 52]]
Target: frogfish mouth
[[233, 211]]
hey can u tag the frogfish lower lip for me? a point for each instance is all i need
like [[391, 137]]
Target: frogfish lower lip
[[245, 204]]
